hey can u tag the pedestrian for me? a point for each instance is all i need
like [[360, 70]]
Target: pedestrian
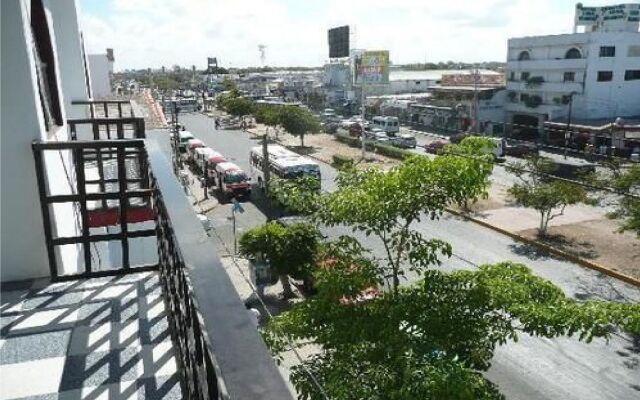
[[254, 315]]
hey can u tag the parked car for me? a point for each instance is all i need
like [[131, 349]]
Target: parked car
[[405, 141], [520, 149], [377, 134], [355, 130], [435, 147]]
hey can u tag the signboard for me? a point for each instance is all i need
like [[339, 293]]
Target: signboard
[[373, 68], [479, 79], [621, 13], [339, 42], [212, 64]]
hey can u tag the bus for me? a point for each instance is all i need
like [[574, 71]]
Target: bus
[[390, 125], [283, 163]]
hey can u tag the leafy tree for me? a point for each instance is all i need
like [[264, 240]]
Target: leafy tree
[[229, 84], [537, 190], [270, 116], [239, 106], [315, 101], [298, 196], [386, 204], [290, 250], [479, 150], [432, 339], [627, 181], [299, 121]]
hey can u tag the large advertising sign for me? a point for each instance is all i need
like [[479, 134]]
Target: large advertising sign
[[339, 42], [620, 12], [372, 67]]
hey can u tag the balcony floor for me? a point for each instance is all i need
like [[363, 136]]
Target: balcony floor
[[101, 338]]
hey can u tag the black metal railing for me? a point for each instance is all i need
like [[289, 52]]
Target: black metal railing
[[123, 197], [219, 351], [117, 108], [222, 355], [107, 128]]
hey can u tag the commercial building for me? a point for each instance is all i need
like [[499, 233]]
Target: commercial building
[[84, 194], [594, 72], [101, 74]]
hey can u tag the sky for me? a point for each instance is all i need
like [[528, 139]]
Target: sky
[[153, 33]]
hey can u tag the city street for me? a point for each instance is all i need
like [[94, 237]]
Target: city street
[[531, 368]]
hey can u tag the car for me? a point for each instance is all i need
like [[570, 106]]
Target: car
[[435, 147], [405, 141], [520, 149], [355, 130], [378, 135]]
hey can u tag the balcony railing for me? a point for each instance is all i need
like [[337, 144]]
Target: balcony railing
[[220, 352]]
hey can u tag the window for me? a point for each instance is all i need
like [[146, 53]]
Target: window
[[573, 53], [633, 51], [569, 77], [523, 56], [512, 76], [632, 75], [605, 76], [45, 65], [524, 97], [607, 51], [524, 76]]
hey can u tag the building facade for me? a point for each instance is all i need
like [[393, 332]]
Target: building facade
[[595, 73], [101, 74]]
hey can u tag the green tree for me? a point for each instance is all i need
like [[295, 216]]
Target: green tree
[[537, 190], [239, 106], [298, 196], [299, 121], [431, 339], [290, 250], [229, 84], [627, 181], [267, 115], [479, 150]]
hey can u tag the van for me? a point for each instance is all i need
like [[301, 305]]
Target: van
[[405, 141], [391, 125]]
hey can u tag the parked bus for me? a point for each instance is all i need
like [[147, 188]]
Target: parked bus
[[231, 181], [283, 163], [391, 125]]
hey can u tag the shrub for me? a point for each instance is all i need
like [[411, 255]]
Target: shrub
[[340, 161], [392, 152]]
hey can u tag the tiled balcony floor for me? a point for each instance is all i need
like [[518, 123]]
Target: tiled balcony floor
[[101, 338]]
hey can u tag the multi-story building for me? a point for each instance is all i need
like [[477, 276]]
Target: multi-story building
[[101, 74], [594, 73], [84, 194]]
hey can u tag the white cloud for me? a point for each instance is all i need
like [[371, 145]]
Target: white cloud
[[166, 32]]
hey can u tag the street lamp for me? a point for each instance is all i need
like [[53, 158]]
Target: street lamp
[[567, 133]]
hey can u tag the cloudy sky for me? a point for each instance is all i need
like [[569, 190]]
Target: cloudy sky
[[152, 33]]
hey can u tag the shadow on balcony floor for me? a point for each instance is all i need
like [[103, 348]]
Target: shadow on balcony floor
[[101, 338]]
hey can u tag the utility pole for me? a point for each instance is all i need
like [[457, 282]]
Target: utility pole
[[363, 115], [567, 133], [205, 180], [476, 124], [265, 163]]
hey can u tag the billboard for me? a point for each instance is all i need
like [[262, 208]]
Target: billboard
[[212, 64], [619, 14], [339, 42], [372, 68]]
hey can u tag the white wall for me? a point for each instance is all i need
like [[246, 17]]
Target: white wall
[[22, 242], [100, 70], [70, 58]]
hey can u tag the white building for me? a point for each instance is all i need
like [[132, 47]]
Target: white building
[[101, 73], [42, 72], [597, 70]]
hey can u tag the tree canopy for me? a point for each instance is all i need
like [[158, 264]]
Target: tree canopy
[[299, 121], [433, 337], [548, 196]]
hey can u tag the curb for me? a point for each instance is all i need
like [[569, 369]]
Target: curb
[[549, 249]]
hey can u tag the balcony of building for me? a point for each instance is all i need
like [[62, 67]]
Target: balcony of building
[[546, 86], [142, 308], [547, 64]]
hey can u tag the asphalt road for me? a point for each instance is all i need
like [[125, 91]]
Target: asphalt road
[[532, 368]]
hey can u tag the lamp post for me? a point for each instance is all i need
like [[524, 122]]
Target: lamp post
[[567, 133]]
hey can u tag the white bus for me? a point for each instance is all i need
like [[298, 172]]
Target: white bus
[[283, 163], [390, 125]]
